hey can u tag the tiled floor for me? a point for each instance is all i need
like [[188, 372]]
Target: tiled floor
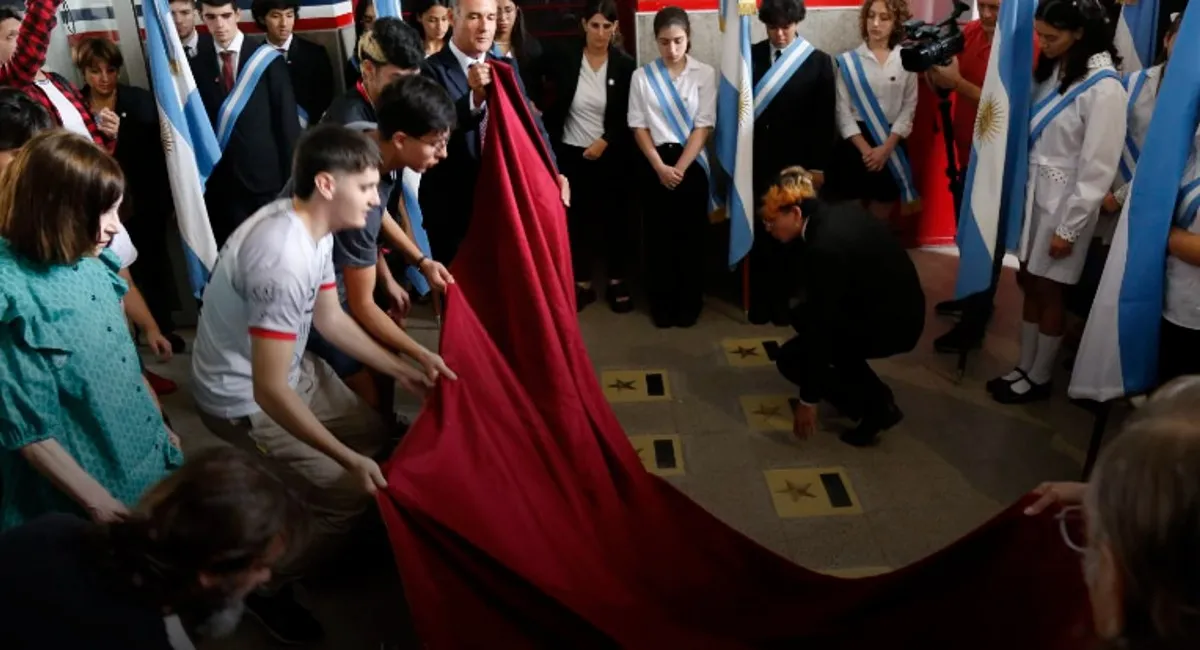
[[956, 459]]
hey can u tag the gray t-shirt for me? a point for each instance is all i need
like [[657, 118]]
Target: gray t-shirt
[[355, 248]]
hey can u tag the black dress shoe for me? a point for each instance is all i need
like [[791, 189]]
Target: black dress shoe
[[619, 299], [284, 618], [1038, 393], [1001, 384], [584, 296], [950, 307], [960, 337], [868, 430], [759, 316]]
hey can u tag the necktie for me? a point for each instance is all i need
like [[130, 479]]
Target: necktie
[[282, 52], [777, 53], [483, 121], [227, 70]]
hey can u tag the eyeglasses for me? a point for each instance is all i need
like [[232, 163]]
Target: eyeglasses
[[439, 144], [1070, 524]]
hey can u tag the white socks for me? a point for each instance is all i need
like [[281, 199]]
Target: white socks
[[1043, 363], [1029, 349]]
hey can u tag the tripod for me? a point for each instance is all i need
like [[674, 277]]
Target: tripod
[[952, 170]]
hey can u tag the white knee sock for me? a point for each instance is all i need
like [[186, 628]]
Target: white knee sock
[[1029, 349], [1047, 354]]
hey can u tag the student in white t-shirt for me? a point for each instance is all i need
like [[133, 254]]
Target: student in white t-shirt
[[255, 386]]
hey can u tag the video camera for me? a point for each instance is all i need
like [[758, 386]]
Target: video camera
[[929, 45]]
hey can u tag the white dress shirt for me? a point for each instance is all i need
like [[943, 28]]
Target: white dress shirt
[[895, 88], [285, 48], [697, 87], [235, 46], [465, 62], [585, 118], [191, 42]]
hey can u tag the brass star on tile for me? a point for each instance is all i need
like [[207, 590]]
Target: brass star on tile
[[797, 491], [768, 411], [744, 352], [620, 385]]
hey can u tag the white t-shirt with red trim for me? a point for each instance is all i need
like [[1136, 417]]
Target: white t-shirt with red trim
[[265, 284]]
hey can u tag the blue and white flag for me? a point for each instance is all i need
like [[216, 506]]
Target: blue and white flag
[[189, 142], [734, 130], [994, 193], [1136, 38], [1118, 355], [387, 8]]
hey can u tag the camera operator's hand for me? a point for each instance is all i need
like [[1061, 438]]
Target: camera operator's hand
[[946, 76]]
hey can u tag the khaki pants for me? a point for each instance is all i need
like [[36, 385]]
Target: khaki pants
[[324, 487]]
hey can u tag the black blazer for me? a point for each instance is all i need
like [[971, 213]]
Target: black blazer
[[799, 127], [448, 189], [140, 154], [258, 159], [562, 80], [312, 77]]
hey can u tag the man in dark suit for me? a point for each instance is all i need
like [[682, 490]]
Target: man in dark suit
[[309, 64], [183, 14], [797, 127], [861, 299], [447, 193], [257, 159]]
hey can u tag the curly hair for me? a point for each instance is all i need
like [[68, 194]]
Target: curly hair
[[793, 186], [899, 11]]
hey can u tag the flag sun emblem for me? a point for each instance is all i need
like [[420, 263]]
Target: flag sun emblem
[[988, 120], [168, 139]]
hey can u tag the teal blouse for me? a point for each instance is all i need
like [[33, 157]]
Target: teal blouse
[[69, 371]]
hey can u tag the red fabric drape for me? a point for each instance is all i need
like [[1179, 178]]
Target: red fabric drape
[[521, 517]]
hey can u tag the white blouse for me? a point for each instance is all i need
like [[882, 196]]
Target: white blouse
[[697, 87], [585, 118], [894, 87]]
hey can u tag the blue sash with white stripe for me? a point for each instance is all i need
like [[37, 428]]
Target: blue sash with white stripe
[[239, 96], [676, 113], [777, 76], [303, 115], [1129, 157], [413, 208], [872, 115], [1188, 203], [1047, 109]]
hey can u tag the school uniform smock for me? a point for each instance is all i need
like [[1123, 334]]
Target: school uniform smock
[[676, 220], [1142, 89], [69, 372], [1071, 168], [896, 91]]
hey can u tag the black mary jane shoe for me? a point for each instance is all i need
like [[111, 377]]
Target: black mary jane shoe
[[618, 298], [1036, 393], [1000, 384], [584, 296]]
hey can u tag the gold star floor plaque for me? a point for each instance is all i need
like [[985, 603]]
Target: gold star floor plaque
[[812, 492], [635, 386], [747, 353], [660, 454], [767, 412]]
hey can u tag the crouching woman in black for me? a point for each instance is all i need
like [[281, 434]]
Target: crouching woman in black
[[860, 298]]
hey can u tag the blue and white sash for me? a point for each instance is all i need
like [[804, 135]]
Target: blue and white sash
[[675, 112], [1047, 109], [1129, 157], [243, 89], [1188, 203], [303, 115], [872, 114], [413, 208], [777, 76]]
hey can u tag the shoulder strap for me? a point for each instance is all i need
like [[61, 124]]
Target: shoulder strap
[[231, 109]]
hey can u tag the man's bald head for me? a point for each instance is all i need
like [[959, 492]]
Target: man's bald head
[[474, 26]]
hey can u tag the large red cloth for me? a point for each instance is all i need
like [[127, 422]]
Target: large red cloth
[[522, 517]]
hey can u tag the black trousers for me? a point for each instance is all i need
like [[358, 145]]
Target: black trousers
[[152, 273], [1178, 352], [846, 380], [770, 286], [674, 225], [598, 217]]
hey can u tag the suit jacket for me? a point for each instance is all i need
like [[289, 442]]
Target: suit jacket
[[862, 294], [140, 154], [562, 78], [312, 77], [448, 189], [258, 158], [799, 126]]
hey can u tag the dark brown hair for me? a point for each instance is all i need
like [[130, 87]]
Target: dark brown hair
[[93, 51], [52, 195], [220, 513], [1144, 503], [673, 17], [899, 11]]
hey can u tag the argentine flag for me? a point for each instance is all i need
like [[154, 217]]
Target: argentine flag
[[734, 130], [1136, 38], [1118, 355], [387, 8], [188, 140], [994, 192]]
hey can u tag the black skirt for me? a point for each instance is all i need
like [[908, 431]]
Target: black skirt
[[851, 178]]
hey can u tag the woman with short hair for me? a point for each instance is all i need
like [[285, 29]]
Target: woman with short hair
[[79, 430]]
